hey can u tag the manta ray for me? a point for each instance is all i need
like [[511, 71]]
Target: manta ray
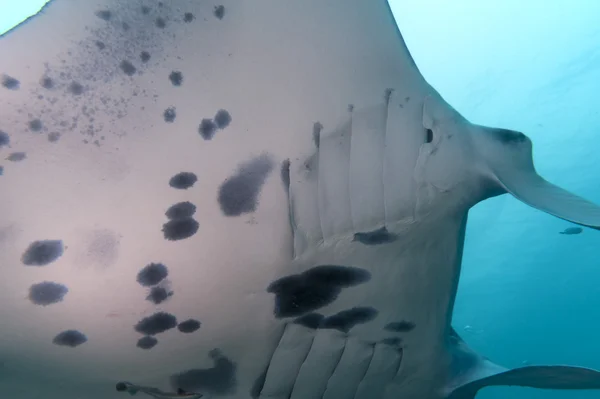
[[242, 199]]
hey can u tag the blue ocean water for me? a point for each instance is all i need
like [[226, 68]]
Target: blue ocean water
[[528, 295]]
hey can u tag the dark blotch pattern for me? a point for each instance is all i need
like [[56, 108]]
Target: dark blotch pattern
[[506, 136], [155, 324], [176, 78], [180, 229], [10, 83], [400, 326], [158, 295], [53, 137], [128, 68], [42, 253], [188, 17], [310, 320], [207, 129], [183, 180], [239, 193], [189, 326], [47, 293], [35, 125], [222, 118], [71, 338], [301, 293], [181, 210], [147, 342], [285, 174], [317, 127], [145, 10], [16, 156], [47, 83], [4, 139], [218, 380], [145, 56], [572, 231], [346, 319], [104, 14], [152, 274], [169, 115], [100, 45], [160, 23], [75, 88], [219, 11], [375, 237]]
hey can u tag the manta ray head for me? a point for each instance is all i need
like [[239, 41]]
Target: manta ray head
[[461, 164]]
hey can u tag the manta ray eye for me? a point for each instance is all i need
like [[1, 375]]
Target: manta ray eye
[[428, 136]]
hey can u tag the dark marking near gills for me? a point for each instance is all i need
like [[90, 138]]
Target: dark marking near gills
[[176, 78], [16, 156], [155, 324], [181, 210], [42, 253], [183, 180], [400, 326], [506, 136], [152, 274], [35, 125], [146, 342], [375, 237], [207, 129], [222, 119], [219, 11], [239, 193], [169, 115], [189, 326], [346, 319], [572, 231], [145, 56], [188, 17], [158, 295], [180, 229], [47, 293], [218, 380], [302, 293], [71, 338], [10, 83], [128, 68], [104, 14], [4, 139]]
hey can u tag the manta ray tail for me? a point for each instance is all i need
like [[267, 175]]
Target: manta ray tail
[[471, 372]]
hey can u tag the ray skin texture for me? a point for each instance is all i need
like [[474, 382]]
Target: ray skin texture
[[242, 200]]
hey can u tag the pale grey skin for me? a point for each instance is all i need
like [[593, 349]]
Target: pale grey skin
[[277, 67]]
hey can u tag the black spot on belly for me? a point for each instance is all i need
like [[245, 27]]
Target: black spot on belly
[[75, 88], [506, 136], [35, 125], [53, 137], [393, 341], [218, 380], [346, 319], [239, 193], [155, 324], [16, 156], [169, 115], [176, 78], [145, 10], [4, 139], [125, 26], [145, 56], [104, 14], [222, 119], [310, 320], [42, 253], [47, 293], [181, 210], [160, 23], [70, 338], [100, 45], [180, 229], [301, 293], [207, 129], [189, 326], [375, 237], [10, 83], [147, 342], [47, 83], [219, 11], [188, 17], [400, 326], [152, 274], [183, 180], [127, 67], [158, 295]]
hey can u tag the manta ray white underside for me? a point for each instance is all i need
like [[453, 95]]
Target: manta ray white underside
[[242, 199]]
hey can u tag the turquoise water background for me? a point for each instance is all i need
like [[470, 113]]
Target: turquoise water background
[[528, 295]]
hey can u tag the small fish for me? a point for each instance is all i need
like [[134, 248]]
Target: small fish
[[132, 389], [572, 231]]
